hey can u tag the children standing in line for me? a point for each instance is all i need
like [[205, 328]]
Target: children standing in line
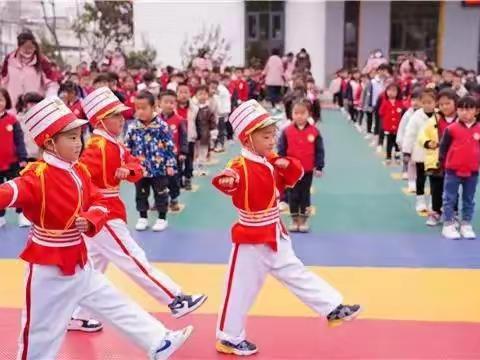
[[390, 112], [302, 141], [167, 102], [224, 109], [13, 155], [413, 150], [149, 139], [430, 139], [261, 244], [409, 170], [460, 156]]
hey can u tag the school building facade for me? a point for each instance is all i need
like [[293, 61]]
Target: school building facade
[[335, 33]]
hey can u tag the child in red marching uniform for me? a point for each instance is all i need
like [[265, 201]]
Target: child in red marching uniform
[[64, 205], [391, 111], [13, 154], [302, 141], [167, 102], [261, 244], [110, 163]]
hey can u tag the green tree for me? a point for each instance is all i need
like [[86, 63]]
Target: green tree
[[103, 24]]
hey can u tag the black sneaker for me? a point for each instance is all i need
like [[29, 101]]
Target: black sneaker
[[245, 348], [85, 325], [185, 304], [188, 184], [344, 313]]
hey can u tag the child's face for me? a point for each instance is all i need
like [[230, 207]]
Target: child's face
[[183, 94], [247, 73], [356, 76], [129, 84], [446, 106], [144, 110], [392, 92], [428, 103], [466, 115], [100, 84], [114, 124], [300, 115], [239, 74], [67, 145], [3, 103], [310, 86], [167, 104], [202, 96], [263, 141], [212, 89], [447, 76], [416, 103]]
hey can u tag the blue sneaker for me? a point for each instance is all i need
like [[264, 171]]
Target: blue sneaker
[[344, 313], [185, 304], [245, 348]]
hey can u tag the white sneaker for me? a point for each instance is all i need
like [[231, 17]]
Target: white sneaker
[[85, 325], [379, 149], [358, 127], [373, 143], [421, 204], [433, 219], [3, 222], [172, 342], [467, 232], [368, 136], [142, 224], [405, 176], [23, 221], [160, 225], [412, 187], [283, 206], [450, 232]]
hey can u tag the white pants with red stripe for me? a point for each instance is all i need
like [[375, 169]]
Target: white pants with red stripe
[[51, 298], [248, 268], [115, 244]]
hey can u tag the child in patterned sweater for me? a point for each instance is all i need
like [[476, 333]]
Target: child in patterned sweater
[[149, 138]]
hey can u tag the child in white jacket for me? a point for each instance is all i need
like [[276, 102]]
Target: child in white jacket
[[411, 148], [409, 171]]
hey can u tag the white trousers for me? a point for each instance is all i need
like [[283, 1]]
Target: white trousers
[[248, 268], [115, 244], [51, 298]]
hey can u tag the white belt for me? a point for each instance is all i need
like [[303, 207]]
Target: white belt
[[259, 218], [56, 238], [110, 193]]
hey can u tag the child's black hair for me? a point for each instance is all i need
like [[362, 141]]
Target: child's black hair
[[213, 81], [467, 102], [449, 94], [303, 102], [148, 77], [6, 96], [167, 93], [183, 84], [103, 77], [396, 86], [146, 95], [429, 92], [201, 88], [417, 92], [68, 86], [27, 98]]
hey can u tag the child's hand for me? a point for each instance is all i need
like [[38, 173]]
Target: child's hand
[[122, 173], [318, 173], [170, 171], [22, 164], [282, 163], [432, 144], [227, 181], [181, 157], [82, 224]]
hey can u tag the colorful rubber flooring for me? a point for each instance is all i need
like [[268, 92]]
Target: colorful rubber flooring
[[421, 293]]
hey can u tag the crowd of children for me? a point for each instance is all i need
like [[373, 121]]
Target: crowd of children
[[429, 119]]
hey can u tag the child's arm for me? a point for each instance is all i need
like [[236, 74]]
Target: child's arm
[[168, 149], [319, 153], [444, 147], [212, 120], [182, 134], [282, 144], [428, 136], [19, 141], [19, 192], [288, 170], [134, 166]]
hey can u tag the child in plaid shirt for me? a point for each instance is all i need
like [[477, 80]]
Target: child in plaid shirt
[[149, 138]]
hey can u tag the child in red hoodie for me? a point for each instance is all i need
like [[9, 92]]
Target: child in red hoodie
[[391, 111], [239, 87]]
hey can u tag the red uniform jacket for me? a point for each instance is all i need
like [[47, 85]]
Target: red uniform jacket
[[52, 194], [178, 128], [12, 146], [76, 108], [460, 148], [255, 195], [240, 86], [102, 156], [391, 114], [130, 102]]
